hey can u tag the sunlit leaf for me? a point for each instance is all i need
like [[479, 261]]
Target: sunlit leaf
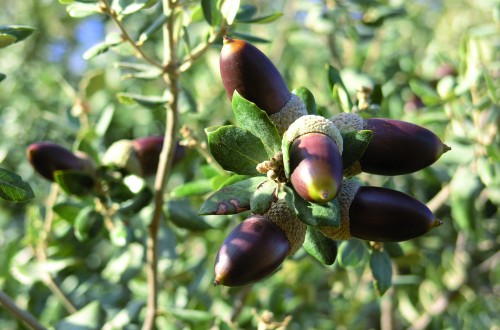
[[13, 188], [232, 199], [236, 149], [257, 122]]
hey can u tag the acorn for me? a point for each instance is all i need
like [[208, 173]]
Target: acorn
[[257, 246], [312, 150], [47, 157], [396, 147], [245, 69], [140, 156], [380, 214]]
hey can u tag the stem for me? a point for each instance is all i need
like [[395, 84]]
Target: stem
[[114, 16], [164, 165], [21, 314], [41, 251]]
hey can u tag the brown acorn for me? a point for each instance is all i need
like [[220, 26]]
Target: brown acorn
[[254, 249], [148, 151], [386, 215], [312, 149], [315, 167], [245, 69], [257, 246], [47, 157], [139, 156], [399, 147]]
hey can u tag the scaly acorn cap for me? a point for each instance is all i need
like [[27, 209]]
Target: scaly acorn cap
[[347, 122], [294, 229], [290, 112], [122, 154], [345, 198], [308, 124]]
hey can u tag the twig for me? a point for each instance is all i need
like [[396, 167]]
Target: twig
[[240, 303], [106, 8], [164, 165], [201, 49], [41, 251], [21, 314], [439, 199]]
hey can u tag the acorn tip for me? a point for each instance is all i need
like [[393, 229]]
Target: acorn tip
[[446, 148], [215, 283], [226, 40], [436, 223]]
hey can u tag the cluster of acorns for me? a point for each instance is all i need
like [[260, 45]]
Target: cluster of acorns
[[311, 161]]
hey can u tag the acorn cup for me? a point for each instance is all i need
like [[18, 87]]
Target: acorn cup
[[380, 214], [48, 157], [396, 147], [247, 70], [257, 246], [140, 156], [312, 150]]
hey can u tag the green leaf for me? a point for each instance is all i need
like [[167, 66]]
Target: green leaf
[[147, 101], [229, 9], [313, 214], [126, 316], [137, 203], [100, 48], [180, 212], [88, 223], [193, 188], [352, 253], [355, 144], [246, 12], [380, 264], [378, 14], [6, 40], [428, 95], [120, 235], [90, 317], [257, 122], [13, 188], [210, 12], [264, 196], [492, 87], [68, 210], [10, 34], [260, 20], [74, 182], [394, 249], [307, 98], [154, 27], [249, 37], [79, 10], [339, 92], [232, 199], [236, 149], [322, 248], [191, 315], [465, 187], [2, 77], [136, 5]]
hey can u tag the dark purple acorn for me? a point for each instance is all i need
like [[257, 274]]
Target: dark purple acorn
[[399, 147], [315, 167], [247, 70], [47, 157], [148, 151], [253, 250], [386, 215]]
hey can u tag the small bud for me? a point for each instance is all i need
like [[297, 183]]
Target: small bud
[[47, 157]]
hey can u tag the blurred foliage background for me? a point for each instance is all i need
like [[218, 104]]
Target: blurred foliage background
[[435, 62]]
